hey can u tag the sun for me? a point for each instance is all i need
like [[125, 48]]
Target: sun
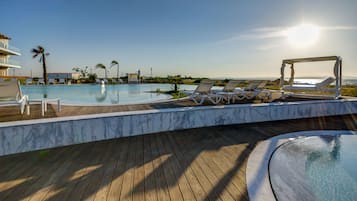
[[304, 35]]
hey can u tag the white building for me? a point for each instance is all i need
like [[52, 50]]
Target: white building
[[5, 53], [133, 78]]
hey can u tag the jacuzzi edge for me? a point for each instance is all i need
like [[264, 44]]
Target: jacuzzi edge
[[257, 175]]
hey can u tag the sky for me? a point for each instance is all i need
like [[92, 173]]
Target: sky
[[201, 38]]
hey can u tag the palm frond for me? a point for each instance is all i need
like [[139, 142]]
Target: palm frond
[[41, 49], [102, 66], [35, 55], [114, 62], [35, 50]]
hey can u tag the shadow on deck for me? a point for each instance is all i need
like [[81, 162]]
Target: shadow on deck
[[196, 164]]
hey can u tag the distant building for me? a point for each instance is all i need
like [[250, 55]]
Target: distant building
[[59, 76], [133, 78], [76, 76], [5, 53]]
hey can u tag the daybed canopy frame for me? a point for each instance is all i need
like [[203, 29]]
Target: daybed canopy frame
[[337, 70]]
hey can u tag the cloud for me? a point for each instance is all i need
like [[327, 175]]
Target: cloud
[[276, 32], [339, 28], [258, 33], [268, 47]]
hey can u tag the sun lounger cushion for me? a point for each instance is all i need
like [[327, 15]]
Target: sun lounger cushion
[[322, 86]]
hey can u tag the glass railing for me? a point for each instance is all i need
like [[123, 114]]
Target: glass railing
[[9, 62], [3, 45], [12, 48]]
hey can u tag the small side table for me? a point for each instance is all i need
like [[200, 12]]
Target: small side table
[[44, 103], [53, 100]]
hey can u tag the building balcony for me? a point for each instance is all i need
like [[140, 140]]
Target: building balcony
[[8, 63], [9, 50]]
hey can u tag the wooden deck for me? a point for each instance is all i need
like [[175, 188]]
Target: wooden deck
[[196, 164]]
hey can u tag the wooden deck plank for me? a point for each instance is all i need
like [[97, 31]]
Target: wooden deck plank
[[178, 172], [161, 183], [191, 152], [229, 169], [194, 183], [117, 178], [88, 182], [150, 184], [108, 172], [13, 169], [126, 190], [30, 169], [211, 173], [11, 163], [225, 177], [225, 170], [50, 175], [78, 170], [174, 190], [139, 172], [97, 175], [42, 173], [236, 154]]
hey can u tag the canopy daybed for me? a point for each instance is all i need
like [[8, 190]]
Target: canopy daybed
[[319, 87]]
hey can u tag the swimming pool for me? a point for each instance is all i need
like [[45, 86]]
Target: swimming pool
[[315, 168], [89, 94]]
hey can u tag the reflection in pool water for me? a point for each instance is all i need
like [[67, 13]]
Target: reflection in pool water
[[100, 97], [88, 94], [316, 168]]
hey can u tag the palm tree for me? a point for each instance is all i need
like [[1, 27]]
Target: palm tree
[[82, 71], [40, 51], [113, 63], [102, 67]]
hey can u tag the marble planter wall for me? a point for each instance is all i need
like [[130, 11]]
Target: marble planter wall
[[30, 135]]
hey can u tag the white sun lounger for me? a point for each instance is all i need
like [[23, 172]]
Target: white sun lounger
[[62, 81], [10, 94], [41, 81], [229, 91], [321, 86], [51, 81], [28, 81], [256, 90], [203, 91]]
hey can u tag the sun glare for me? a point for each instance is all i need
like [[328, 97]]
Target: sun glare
[[304, 35]]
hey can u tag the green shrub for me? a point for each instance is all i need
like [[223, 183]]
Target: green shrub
[[349, 91]]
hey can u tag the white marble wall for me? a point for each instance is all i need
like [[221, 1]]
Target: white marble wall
[[30, 135]]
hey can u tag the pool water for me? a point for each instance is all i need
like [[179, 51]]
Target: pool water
[[315, 168], [88, 94]]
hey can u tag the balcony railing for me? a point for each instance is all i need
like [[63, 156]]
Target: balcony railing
[[4, 61], [8, 47]]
